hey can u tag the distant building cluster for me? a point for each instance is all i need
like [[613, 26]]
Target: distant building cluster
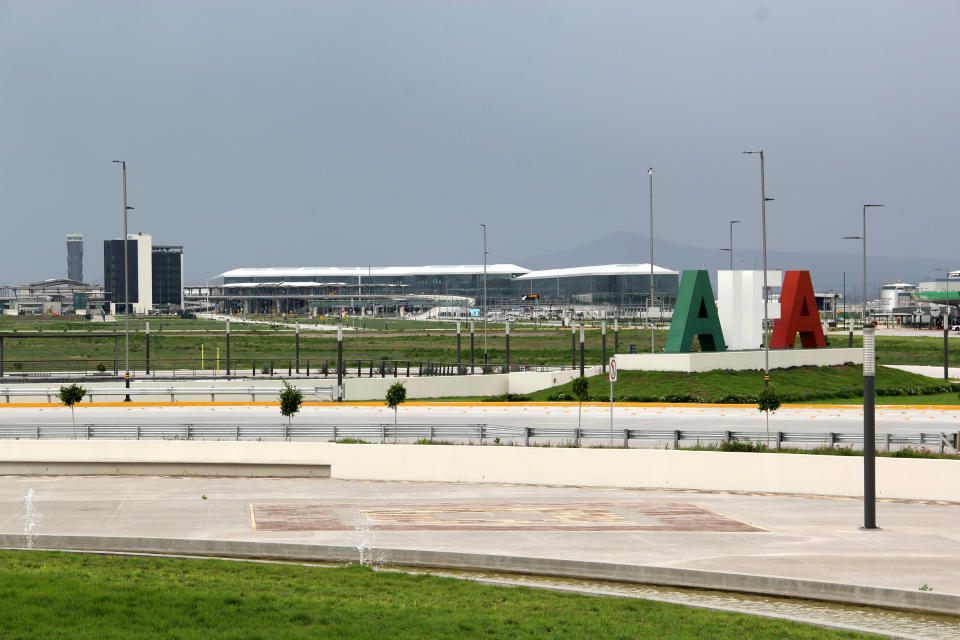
[[155, 283], [154, 274]]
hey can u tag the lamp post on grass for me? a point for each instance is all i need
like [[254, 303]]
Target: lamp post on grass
[[126, 281], [650, 300], [484, 293], [763, 221]]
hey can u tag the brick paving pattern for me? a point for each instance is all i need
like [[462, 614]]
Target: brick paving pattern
[[630, 516]]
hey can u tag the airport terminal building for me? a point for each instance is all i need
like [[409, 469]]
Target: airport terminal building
[[622, 288]]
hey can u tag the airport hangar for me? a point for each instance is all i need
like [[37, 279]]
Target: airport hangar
[[391, 291]]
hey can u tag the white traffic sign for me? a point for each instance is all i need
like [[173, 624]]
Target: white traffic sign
[[613, 369]]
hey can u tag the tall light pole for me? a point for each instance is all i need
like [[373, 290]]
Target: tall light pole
[[126, 281], [863, 310], [484, 293], [650, 300], [730, 249], [763, 221], [732, 222], [865, 259]]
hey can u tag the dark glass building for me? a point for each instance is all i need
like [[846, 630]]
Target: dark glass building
[[113, 271], [167, 276], [75, 257]]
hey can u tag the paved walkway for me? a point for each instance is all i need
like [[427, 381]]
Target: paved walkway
[[736, 535]]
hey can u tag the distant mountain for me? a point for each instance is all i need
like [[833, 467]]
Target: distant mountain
[[826, 269]]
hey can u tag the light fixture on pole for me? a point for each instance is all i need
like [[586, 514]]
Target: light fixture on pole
[[732, 222], [484, 293], [865, 258], [763, 221], [863, 309], [126, 281], [730, 249], [650, 299]]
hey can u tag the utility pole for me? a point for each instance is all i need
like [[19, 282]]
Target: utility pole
[[484, 293], [650, 300], [763, 221], [126, 280]]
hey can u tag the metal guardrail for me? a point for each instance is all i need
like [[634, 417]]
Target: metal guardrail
[[465, 432], [329, 392]]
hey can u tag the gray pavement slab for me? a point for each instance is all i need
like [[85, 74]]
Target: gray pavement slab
[[788, 537]]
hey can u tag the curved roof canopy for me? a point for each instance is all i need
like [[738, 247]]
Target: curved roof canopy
[[599, 270]]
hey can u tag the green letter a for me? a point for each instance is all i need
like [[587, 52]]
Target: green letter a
[[695, 314]]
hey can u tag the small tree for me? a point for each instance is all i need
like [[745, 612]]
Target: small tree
[[396, 395], [290, 400], [71, 395], [767, 401], [580, 390]]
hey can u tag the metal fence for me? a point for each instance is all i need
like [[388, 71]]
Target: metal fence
[[479, 433], [252, 366]]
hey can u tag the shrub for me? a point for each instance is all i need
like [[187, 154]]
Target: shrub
[[71, 395], [291, 398], [769, 399], [396, 395], [508, 397]]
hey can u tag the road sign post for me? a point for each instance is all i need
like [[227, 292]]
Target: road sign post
[[613, 378]]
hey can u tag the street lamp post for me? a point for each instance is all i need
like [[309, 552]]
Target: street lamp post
[[863, 309], [732, 222], [484, 293], [864, 238], [865, 258], [650, 301], [126, 281], [763, 220]]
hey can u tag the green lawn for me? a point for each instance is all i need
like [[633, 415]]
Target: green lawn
[[57, 595], [800, 384]]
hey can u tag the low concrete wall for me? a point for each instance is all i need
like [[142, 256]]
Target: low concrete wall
[[528, 382], [354, 388], [157, 468], [493, 384], [903, 478], [736, 360]]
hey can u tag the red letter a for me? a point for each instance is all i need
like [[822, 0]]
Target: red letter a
[[798, 314]]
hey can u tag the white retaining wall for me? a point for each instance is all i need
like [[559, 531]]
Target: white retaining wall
[[903, 478], [737, 360]]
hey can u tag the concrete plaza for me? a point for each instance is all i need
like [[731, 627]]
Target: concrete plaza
[[806, 546]]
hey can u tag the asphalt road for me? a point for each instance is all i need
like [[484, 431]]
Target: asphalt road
[[892, 420]]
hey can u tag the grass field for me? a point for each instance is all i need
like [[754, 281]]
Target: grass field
[[175, 339], [800, 384], [79, 597]]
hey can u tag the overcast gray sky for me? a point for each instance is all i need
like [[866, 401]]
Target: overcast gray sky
[[348, 133]]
